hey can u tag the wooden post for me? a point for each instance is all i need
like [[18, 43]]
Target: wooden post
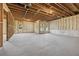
[[1, 24], [48, 27], [10, 26]]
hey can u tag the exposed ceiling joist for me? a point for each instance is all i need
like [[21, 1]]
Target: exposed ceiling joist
[[58, 10], [44, 11], [65, 9], [75, 7]]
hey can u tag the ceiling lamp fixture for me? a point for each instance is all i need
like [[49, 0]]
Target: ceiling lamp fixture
[[27, 6]]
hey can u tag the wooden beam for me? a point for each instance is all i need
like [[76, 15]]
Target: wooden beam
[[43, 8], [16, 7], [60, 12], [65, 8], [1, 24], [31, 10], [74, 5], [37, 9], [5, 7], [53, 15]]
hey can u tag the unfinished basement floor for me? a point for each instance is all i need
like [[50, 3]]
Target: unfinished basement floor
[[31, 44]]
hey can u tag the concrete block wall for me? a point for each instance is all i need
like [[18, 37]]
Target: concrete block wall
[[66, 26]]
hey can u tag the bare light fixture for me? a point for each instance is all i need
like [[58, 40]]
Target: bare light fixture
[[26, 6]]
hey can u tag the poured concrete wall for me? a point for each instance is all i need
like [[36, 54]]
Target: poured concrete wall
[[66, 26]]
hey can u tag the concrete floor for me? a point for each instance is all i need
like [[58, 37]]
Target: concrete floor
[[31, 44]]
